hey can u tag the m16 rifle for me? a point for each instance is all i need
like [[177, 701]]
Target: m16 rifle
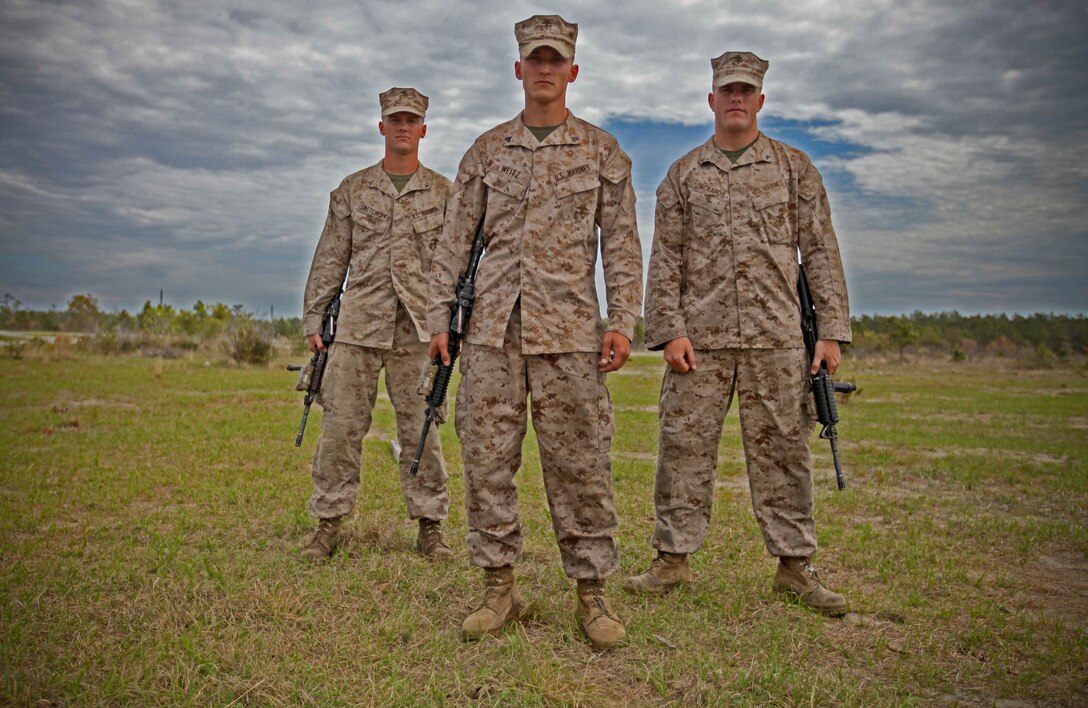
[[435, 380], [823, 387], [309, 380]]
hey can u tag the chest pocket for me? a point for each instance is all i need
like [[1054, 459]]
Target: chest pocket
[[772, 214], [705, 211], [427, 223], [369, 221], [511, 186], [428, 229], [577, 198], [368, 229]]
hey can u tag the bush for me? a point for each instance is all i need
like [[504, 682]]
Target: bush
[[1043, 357], [15, 348], [249, 341]]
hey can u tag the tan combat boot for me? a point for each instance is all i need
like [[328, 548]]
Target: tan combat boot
[[429, 542], [599, 622], [797, 577], [666, 572], [501, 604], [325, 540]]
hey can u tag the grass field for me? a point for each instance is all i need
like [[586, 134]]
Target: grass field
[[151, 514]]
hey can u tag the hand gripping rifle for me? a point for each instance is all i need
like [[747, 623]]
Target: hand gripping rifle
[[436, 373], [823, 387], [309, 380]]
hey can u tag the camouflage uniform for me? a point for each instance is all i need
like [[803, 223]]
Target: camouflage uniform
[[384, 242], [536, 330], [723, 272]]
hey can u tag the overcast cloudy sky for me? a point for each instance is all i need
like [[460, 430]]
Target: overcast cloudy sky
[[190, 145]]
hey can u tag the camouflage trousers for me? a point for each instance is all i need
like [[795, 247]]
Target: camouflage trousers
[[776, 418], [348, 391], [572, 418]]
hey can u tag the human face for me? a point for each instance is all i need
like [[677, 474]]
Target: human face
[[544, 75], [402, 131], [735, 107]]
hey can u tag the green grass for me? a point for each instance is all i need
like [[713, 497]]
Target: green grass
[[151, 514]]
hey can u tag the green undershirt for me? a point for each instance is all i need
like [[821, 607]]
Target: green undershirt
[[399, 181], [542, 133], [734, 155]]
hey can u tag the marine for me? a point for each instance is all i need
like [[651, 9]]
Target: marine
[[553, 191], [731, 219], [380, 234]]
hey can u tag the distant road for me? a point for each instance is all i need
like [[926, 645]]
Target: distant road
[[45, 336]]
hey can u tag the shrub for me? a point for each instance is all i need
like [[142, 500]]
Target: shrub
[[249, 341]]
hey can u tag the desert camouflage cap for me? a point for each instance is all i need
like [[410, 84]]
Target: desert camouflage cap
[[408, 100], [738, 66], [546, 31]]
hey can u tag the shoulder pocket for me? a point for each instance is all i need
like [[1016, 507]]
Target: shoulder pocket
[[617, 167], [339, 205], [666, 197]]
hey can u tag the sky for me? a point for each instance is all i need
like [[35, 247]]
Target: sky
[[190, 146]]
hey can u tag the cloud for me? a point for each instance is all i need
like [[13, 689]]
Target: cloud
[[192, 145]]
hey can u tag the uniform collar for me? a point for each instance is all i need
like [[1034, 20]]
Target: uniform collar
[[377, 179], [569, 132], [759, 152]]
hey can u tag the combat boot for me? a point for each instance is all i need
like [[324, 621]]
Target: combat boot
[[501, 604], [325, 540], [599, 622], [666, 572], [797, 577], [429, 542]]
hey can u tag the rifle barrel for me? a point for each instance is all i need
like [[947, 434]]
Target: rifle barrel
[[839, 479], [302, 425]]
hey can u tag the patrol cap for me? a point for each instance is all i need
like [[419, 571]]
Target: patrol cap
[[408, 100], [546, 31], [744, 67]]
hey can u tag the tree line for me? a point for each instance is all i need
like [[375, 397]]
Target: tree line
[[83, 315], [960, 336]]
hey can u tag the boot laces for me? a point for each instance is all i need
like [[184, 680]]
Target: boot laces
[[492, 581], [431, 533], [659, 564], [326, 530], [596, 598]]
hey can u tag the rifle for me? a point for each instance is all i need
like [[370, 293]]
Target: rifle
[[823, 387], [309, 380], [435, 374]]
